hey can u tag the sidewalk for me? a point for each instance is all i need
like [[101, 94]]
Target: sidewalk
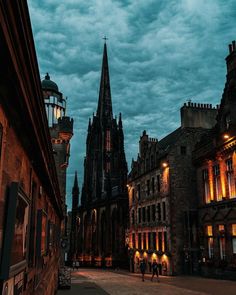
[[83, 288]]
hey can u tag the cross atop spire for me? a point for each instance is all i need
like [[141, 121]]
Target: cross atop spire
[[104, 109], [105, 38]]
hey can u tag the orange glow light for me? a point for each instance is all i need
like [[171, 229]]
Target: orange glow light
[[226, 136], [154, 256], [137, 254], [164, 164]]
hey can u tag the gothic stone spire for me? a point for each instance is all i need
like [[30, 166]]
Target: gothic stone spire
[[104, 110]]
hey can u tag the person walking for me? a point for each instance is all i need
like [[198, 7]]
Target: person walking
[[143, 269], [155, 270]]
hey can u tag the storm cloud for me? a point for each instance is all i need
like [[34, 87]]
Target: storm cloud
[[161, 54]]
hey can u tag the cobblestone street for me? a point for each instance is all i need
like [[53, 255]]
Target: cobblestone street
[[101, 282]]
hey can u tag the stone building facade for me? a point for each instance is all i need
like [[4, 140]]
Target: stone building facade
[[215, 161], [30, 198], [162, 194], [104, 200]]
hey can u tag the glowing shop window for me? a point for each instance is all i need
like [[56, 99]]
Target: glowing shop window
[[209, 230], [230, 178], [234, 230], [221, 228]]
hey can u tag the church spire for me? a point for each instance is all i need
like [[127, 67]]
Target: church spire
[[75, 192], [104, 109]]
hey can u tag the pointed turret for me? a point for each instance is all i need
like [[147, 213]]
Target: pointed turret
[[120, 122], [75, 193], [104, 109]]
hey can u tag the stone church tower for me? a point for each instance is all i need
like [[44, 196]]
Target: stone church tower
[[104, 200]]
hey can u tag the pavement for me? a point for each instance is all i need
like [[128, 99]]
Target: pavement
[[87, 281]]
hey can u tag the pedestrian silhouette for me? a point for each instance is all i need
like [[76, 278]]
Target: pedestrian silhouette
[[143, 269], [155, 270]]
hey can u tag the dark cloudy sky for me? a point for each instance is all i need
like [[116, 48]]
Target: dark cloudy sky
[[161, 53]]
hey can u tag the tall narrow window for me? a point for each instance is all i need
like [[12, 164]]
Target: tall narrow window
[[147, 164], [108, 141], [230, 178], [139, 241], [153, 212], [152, 161], [133, 240], [148, 187], [154, 241], [234, 238], [217, 183], [150, 246], [132, 217], [165, 241], [144, 214], [139, 215], [133, 198], [139, 192], [222, 241], [144, 241], [159, 241], [159, 211], [164, 210], [205, 178], [210, 241], [158, 183], [148, 213], [153, 185]]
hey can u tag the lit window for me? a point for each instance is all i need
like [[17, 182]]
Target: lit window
[[209, 230], [216, 173], [205, 177], [222, 242], [210, 241], [234, 238], [230, 178]]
